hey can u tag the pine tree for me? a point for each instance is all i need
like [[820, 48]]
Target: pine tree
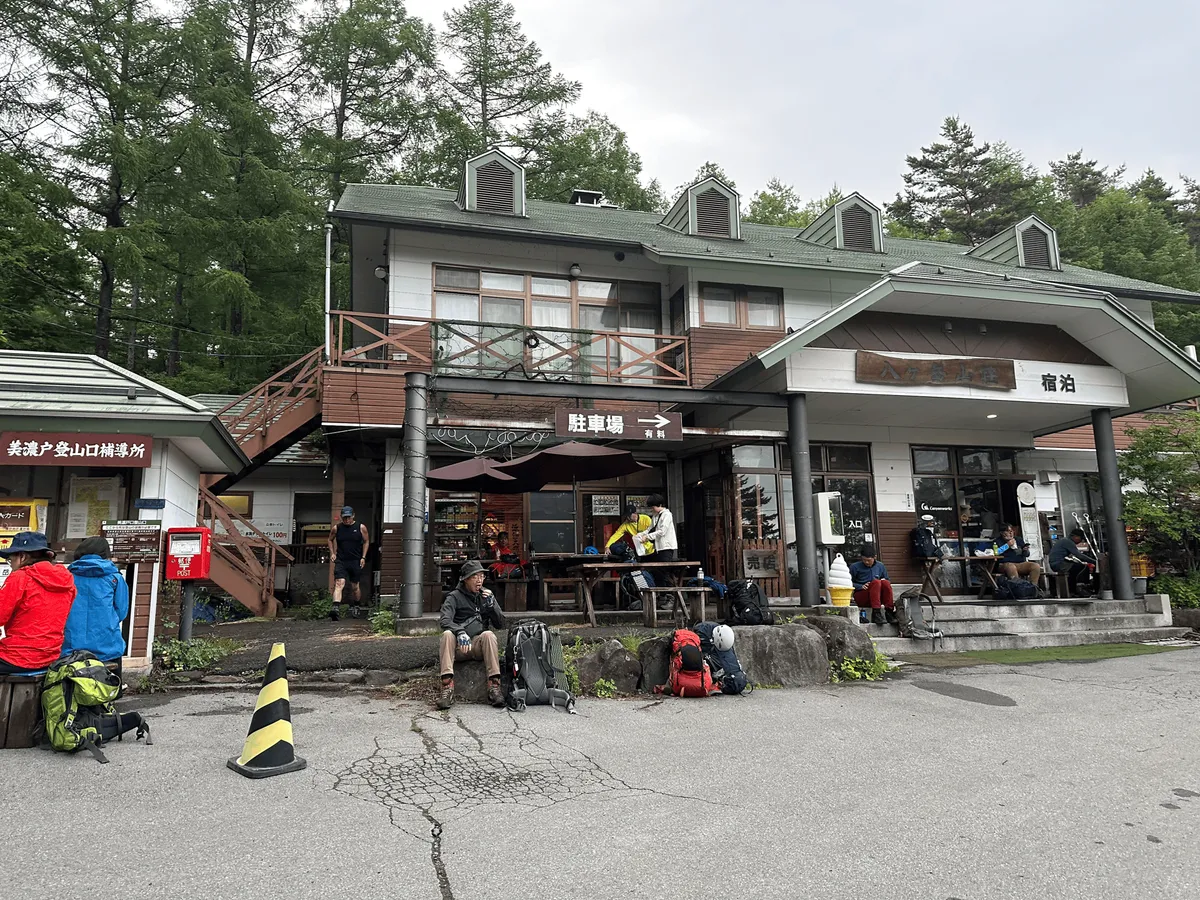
[[970, 190], [1081, 181]]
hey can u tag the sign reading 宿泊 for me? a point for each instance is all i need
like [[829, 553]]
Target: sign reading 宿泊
[[992, 374], [636, 425], [36, 448]]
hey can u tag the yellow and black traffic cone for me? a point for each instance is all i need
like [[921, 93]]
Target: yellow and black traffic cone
[[269, 749]]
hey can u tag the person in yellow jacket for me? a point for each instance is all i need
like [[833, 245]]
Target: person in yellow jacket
[[634, 523]]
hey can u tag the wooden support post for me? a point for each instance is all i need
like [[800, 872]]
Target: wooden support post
[[337, 474]]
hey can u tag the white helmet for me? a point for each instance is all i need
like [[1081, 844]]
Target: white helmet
[[723, 637]]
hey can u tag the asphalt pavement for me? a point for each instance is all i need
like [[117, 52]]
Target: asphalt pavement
[[1048, 781]]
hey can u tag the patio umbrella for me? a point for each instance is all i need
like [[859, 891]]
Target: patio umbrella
[[572, 461], [474, 475]]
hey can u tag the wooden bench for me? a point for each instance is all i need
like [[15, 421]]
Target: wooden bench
[[20, 709], [693, 611]]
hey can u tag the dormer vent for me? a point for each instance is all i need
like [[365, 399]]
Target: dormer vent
[[493, 182], [582, 197], [709, 208], [1035, 248], [1030, 244], [853, 223]]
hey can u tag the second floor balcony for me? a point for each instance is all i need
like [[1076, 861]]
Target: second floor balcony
[[504, 350]]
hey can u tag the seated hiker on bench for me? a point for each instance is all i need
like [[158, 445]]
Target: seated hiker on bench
[[1014, 556], [467, 613], [635, 523], [101, 603], [34, 604], [872, 590], [1068, 558]]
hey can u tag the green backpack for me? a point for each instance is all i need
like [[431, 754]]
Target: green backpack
[[77, 706]]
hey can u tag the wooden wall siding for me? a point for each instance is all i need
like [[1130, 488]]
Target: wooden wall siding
[[886, 332], [895, 548], [362, 396], [772, 587], [143, 584], [716, 351], [1082, 438], [391, 561]]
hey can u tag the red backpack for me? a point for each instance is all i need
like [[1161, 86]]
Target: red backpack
[[689, 673]]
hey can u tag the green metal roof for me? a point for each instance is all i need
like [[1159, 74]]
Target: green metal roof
[[425, 207]]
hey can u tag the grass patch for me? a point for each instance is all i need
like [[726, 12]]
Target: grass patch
[[1081, 653], [198, 653], [856, 669]]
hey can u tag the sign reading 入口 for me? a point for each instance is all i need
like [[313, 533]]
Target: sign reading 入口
[[36, 448], [636, 425], [992, 374]]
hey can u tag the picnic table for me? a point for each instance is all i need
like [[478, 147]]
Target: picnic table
[[590, 573], [987, 566]]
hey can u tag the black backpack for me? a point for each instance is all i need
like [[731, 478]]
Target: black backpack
[[534, 671], [747, 604], [924, 544], [1016, 589], [620, 552], [726, 670]]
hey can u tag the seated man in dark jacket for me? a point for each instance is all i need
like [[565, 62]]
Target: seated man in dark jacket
[[1068, 558], [1014, 556], [467, 613]]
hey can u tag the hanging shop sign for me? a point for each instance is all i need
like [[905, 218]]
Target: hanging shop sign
[[606, 504], [39, 448], [635, 425], [991, 374], [133, 539], [760, 563]]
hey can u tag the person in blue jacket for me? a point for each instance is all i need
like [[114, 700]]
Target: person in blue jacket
[[101, 603]]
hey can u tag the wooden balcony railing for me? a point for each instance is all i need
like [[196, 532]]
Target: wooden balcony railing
[[452, 347], [250, 417]]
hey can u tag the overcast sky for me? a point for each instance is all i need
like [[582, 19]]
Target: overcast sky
[[823, 92]]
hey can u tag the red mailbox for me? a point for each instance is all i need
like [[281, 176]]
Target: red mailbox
[[189, 553]]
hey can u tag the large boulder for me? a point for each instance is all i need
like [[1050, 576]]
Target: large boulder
[[610, 661], [787, 655], [655, 657], [470, 681], [843, 639]]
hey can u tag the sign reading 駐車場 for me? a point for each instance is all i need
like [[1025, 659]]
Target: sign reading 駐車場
[[636, 425], [993, 374], [37, 448]]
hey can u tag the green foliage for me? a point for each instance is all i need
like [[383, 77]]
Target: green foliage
[[605, 688], [1184, 590], [198, 653], [383, 621], [632, 640], [571, 654], [779, 204], [320, 604], [854, 668], [1160, 474]]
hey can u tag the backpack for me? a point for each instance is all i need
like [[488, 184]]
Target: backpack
[[747, 604], [688, 675], [534, 672], [77, 706], [924, 544], [910, 617], [620, 552], [727, 672], [1016, 589], [631, 586]]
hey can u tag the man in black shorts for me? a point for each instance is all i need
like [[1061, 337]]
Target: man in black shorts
[[348, 543]]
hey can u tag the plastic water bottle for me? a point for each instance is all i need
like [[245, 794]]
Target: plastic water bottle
[[700, 575]]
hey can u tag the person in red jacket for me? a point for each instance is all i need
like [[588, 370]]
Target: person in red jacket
[[34, 604]]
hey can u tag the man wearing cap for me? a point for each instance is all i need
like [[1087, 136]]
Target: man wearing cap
[[34, 604], [467, 613], [348, 544]]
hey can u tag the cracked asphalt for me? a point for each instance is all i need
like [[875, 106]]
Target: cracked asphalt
[[1054, 781]]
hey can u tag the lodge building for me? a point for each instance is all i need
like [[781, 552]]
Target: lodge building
[[747, 365]]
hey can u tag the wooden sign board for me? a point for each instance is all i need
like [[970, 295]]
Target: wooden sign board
[[133, 539], [991, 374], [760, 563], [36, 448], [644, 425]]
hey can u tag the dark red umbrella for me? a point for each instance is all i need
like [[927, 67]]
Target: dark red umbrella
[[572, 461], [474, 475]]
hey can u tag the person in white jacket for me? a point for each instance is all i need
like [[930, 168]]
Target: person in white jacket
[[662, 532]]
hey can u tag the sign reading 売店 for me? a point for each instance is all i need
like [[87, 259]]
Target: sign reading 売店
[[993, 374], [38, 448], [636, 425]]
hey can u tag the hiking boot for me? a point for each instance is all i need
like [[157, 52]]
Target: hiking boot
[[863, 618], [494, 694], [333, 613], [877, 618], [892, 618], [445, 697]]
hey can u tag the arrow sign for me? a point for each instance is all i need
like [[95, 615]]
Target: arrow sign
[[659, 421]]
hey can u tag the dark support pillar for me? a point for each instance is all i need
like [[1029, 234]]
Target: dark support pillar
[[802, 502], [337, 492], [416, 463], [1110, 492]]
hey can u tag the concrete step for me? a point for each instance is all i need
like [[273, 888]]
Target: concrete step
[[898, 646], [1033, 625]]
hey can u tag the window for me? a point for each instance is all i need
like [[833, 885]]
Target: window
[[848, 457], [736, 306], [552, 521], [241, 502], [975, 462], [754, 456], [928, 460]]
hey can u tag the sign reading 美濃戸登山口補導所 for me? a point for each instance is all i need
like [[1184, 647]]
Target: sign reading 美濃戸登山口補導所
[[36, 448], [635, 425]]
